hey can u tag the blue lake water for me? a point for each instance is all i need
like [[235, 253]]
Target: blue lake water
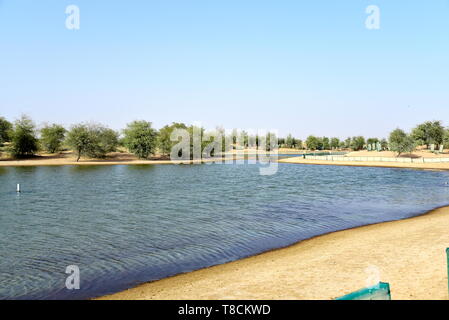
[[124, 225]]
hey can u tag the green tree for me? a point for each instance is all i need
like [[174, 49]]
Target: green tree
[[298, 144], [271, 142], [282, 143], [348, 143], [314, 143], [23, 139], [358, 143], [429, 132], [289, 141], [446, 138], [5, 130], [52, 137], [107, 139], [140, 138], [335, 143], [92, 140], [80, 139], [401, 142], [326, 143], [384, 144], [164, 141], [244, 139]]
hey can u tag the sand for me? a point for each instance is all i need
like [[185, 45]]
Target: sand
[[429, 166], [391, 154], [409, 254], [115, 158]]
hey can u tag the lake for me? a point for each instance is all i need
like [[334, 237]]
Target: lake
[[124, 225]]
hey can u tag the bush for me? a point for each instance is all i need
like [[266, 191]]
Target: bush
[[92, 140], [5, 130], [52, 137], [140, 138], [401, 142], [23, 139]]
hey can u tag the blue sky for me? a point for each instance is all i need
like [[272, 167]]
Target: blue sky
[[305, 67]]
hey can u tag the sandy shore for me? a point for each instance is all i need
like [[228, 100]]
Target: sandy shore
[[409, 254], [429, 166], [113, 159]]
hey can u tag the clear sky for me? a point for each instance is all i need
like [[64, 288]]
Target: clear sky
[[305, 67]]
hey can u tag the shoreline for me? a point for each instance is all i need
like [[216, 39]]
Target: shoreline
[[375, 164], [408, 253], [66, 162]]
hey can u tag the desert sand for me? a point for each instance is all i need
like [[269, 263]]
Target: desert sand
[[409, 254]]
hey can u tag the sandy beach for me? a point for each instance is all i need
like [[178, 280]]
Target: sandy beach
[[409, 254], [116, 158], [428, 166]]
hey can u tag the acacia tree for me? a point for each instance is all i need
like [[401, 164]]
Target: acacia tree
[[23, 138], [92, 140], [314, 143], [140, 138], [401, 142], [429, 132], [335, 143], [326, 143], [289, 141], [358, 143], [5, 130], [80, 139], [446, 138], [52, 137], [348, 142], [164, 139]]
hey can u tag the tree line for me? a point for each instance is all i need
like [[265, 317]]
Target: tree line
[[22, 138], [93, 140]]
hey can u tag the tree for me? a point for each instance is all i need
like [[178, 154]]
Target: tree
[[335, 143], [80, 139], [314, 143], [140, 138], [5, 130], [92, 140], [164, 141], [384, 144], [446, 138], [429, 132], [348, 143], [24, 140], [243, 139], [282, 143], [289, 141], [326, 143], [358, 143], [52, 137], [271, 142], [107, 139], [401, 142]]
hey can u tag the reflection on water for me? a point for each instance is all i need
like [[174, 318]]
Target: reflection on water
[[123, 225]]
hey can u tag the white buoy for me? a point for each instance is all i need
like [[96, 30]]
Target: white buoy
[[18, 187]]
